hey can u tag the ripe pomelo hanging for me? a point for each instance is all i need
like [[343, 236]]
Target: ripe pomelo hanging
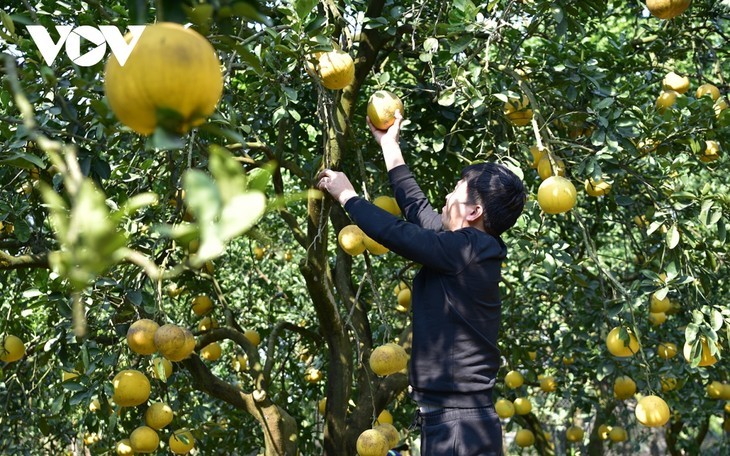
[[336, 69], [381, 109], [172, 79], [12, 348], [141, 335], [667, 9], [174, 343], [131, 388], [652, 411], [556, 195], [181, 441]]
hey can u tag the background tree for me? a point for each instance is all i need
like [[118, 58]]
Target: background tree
[[79, 189]]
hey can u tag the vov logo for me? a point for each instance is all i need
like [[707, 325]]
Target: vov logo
[[105, 34]]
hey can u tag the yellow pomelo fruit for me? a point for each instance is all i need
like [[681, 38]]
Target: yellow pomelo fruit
[[574, 434], [164, 365], [181, 441], [158, 415], [404, 300], [719, 106], [372, 443], [504, 408], [517, 111], [384, 417], [666, 99], [617, 434], [11, 349], [523, 406], [207, 323], [202, 305], [532, 355], [313, 375], [673, 81], [141, 336], [124, 448], [652, 411], [624, 387], [657, 318], [373, 247], [710, 89], [714, 390], [597, 188], [388, 204], [94, 405], [667, 9], [556, 195], [322, 405], [174, 343], [390, 432], [381, 109], [144, 439], [211, 352], [398, 288], [545, 168], [659, 305], [668, 383], [253, 336], [351, 239], [131, 388], [618, 347], [725, 393], [537, 155], [711, 152], [172, 79], [524, 438], [667, 350], [336, 69], [548, 384], [707, 358], [603, 431], [514, 379], [388, 359], [240, 363]]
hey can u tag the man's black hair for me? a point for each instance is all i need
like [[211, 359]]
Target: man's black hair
[[498, 191]]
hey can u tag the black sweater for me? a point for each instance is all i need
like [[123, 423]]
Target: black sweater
[[455, 297]]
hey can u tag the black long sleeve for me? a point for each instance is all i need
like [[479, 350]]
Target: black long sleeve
[[455, 302]]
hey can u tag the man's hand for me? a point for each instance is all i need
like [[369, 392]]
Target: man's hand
[[390, 136], [336, 184], [388, 141]]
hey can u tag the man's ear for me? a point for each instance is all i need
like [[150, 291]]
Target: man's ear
[[475, 214]]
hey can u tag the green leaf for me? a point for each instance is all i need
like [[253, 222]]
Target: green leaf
[[304, 7], [690, 332], [164, 140], [228, 173], [716, 320], [202, 196], [672, 237], [259, 178], [22, 160], [447, 97], [136, 203], [241, 213]]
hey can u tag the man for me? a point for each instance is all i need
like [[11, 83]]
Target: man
[[455, 298]]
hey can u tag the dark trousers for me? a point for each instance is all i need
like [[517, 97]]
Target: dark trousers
[[461, 432]]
